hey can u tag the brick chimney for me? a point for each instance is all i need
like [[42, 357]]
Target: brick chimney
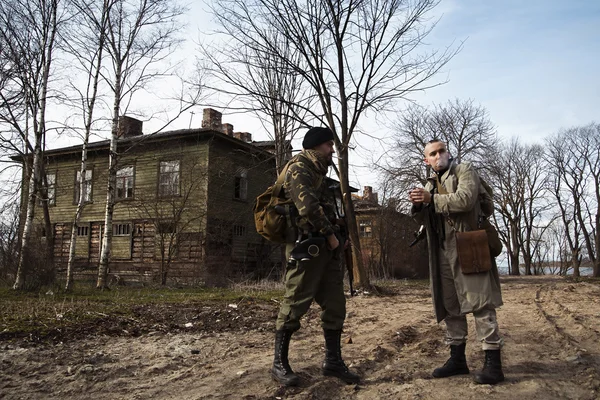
[[211, 119], [243, 136], [227, 129], [369, 196], [129, 127]]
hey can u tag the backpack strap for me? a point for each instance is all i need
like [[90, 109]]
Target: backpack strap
[[279, 183]]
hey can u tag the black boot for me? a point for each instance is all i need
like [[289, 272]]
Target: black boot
[[334, 365], [456, 364], [281, 371], [492, 369]]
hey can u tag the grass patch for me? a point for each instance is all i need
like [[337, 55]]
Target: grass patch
[[54, 312]]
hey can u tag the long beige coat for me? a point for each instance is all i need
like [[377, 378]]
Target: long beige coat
[[457, 210]]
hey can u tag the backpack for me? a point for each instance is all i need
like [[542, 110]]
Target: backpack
[[269, 223]]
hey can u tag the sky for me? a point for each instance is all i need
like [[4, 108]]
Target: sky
[[533, 65]]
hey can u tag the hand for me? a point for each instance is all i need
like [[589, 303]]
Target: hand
[[332, 242], [419, 196]]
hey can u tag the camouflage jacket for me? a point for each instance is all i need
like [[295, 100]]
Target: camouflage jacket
[[306, 186]]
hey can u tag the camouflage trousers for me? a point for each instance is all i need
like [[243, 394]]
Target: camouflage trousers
[[320, 279]]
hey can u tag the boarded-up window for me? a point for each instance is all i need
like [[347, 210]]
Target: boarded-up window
[[82, 242], [121, 241], [168, 179], [125, 183], [166, 239], [190, 246]]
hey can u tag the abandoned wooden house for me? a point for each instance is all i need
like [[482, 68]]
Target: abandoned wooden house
[[183, 207]]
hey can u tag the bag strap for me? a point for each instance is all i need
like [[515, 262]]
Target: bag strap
[[279, 182]]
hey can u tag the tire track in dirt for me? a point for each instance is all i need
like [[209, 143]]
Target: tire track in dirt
[[553, 366]]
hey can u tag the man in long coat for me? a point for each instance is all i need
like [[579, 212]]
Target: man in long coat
[[449, 203]]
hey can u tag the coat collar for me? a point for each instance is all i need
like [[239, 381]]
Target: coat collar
[[317, 159], [434, 176]]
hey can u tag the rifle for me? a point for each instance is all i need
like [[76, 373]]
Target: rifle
[[419, 235], [344, 234]]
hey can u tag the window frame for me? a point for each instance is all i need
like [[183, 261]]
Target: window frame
[[240, 185], [159, 185], [89, 181], [123, 229], [51, 188], [125, 179], [365, 233]]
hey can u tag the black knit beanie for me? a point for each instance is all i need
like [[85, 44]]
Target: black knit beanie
[[315, 136]]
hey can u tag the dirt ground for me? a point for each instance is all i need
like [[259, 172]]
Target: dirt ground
[[551, 328]]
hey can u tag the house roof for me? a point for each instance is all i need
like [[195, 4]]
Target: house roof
[[156, 138]]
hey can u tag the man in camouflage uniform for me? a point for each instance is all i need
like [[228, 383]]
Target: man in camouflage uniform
[[319, 278]]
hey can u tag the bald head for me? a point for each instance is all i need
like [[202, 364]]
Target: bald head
[[436, 155]]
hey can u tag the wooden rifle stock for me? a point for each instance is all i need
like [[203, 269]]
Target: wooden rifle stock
[[347, 252]]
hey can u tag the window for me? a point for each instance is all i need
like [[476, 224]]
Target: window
[[365, 229], [50, 186], [239, 230], [87, 186], [83, 230], [165, 227], [241, 185], [121, 229], [168, 180], [125, 183]]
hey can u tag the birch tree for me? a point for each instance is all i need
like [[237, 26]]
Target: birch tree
[[354, 56], [28, 30], [139, 36], [85, 43]]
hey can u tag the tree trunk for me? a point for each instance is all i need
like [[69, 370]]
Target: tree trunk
[[102, 282], [40, 132], [78, 212], [27, 226], [361, 279], [514, 251], [111, 184]]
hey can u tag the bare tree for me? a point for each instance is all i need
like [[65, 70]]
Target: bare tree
[[535, 204], [85, 43], [9, 238], [508, 177], [575, 167], [464, 127], [564, 185], [139, 35], [261, 82], [28, 30], [355, 57], [522, 205]]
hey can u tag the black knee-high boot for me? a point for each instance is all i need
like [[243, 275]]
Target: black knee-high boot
[[281, 371], [334, 364]]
